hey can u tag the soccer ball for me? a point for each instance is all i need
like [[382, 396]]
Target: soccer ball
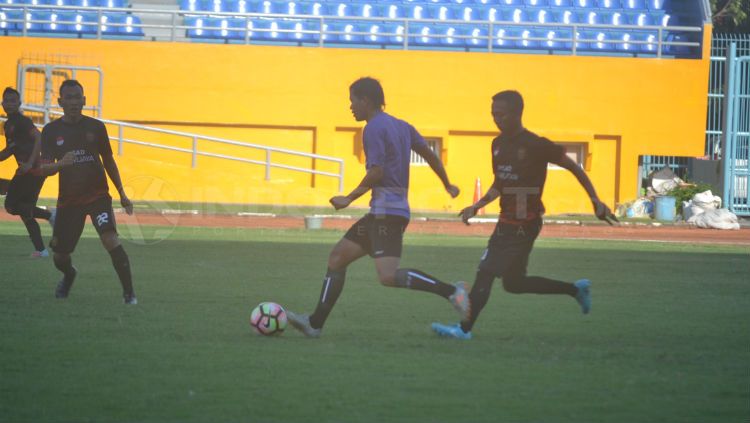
[[268, 319]]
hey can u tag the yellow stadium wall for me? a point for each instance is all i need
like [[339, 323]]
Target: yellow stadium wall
[[297, 98]]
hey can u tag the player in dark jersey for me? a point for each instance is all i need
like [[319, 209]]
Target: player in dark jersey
[[23, 141], [388, 143], [519, 162], [77, 147]]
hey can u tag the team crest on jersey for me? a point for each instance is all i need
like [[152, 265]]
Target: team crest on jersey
[[521, 153], [89, 137], [496, 152], [60, 140]]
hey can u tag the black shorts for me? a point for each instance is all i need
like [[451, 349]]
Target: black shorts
[[70, 220], [508, 249], [23, 190], [380, 236]]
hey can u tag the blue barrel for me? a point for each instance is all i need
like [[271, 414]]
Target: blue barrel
[[664, 209]]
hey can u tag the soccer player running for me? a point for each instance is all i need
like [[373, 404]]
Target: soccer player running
[[23, 141], [78, 147], [519, 162], [388, 143]]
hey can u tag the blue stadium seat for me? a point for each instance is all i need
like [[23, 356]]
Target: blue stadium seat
[[394, 11], [423, 35], [393, 33], [608, 4], [477, 37], [57, 22], [561, 3], [375, 33], [32, 16], [634, 4], [9, 15]]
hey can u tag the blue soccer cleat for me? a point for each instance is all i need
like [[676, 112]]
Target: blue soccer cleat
[[451, 331], [584, 295]]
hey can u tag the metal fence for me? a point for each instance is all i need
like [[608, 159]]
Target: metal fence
[[715, 114]]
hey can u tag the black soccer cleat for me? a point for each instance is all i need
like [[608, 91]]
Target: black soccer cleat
[[63, 287], [130, 299]]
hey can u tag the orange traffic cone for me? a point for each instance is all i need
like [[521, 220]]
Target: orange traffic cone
[[478, 195]]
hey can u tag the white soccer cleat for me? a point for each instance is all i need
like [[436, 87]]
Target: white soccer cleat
[[52, 218], [460, 300], [40, 254], [301, 322]]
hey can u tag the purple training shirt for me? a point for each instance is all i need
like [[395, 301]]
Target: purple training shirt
[[388, 142]]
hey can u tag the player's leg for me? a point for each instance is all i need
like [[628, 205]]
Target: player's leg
[[496, 257], [516, 281], [103, 218], [349, 249], [21, 202], [386, 236], [65, 235], [36, 183]]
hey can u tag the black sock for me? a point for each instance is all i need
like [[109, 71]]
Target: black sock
[[42, 213], [480, 293], [65, 265], [34, 232], [416, 279], [537, 285], [333, 284], [121, 264]]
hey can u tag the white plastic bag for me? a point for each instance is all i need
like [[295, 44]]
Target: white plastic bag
[[716, 219]]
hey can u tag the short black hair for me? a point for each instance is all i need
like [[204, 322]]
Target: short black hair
[[513, 98], [11, 90], [367, 87], [70, 83]]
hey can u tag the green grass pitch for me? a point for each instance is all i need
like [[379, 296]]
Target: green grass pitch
[[668, 339]]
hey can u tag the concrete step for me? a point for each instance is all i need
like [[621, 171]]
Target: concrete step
[[159, 34]]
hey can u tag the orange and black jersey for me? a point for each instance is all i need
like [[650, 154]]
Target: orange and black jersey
[[85, 181], [19, 137], [519, 163]]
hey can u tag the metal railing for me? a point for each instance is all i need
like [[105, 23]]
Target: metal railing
[[49, 91], [489, 41], [194, 151]]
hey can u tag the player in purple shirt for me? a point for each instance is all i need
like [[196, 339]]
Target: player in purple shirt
[[519, 162], [388, 143]]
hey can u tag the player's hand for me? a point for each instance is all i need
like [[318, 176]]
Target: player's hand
[[126, 204], [603, 212], [453, 190], [467, 213], [24, 168], [67, 160], [340, 201]]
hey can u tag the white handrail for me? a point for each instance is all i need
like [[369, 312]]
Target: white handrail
[[195, 152], [488, 39]]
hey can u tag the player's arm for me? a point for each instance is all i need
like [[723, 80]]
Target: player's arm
[[114, 175], [490, 196], [372, 177], [600, 209], [437, 166], [7, 151], [50, 168], [25, 167]]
